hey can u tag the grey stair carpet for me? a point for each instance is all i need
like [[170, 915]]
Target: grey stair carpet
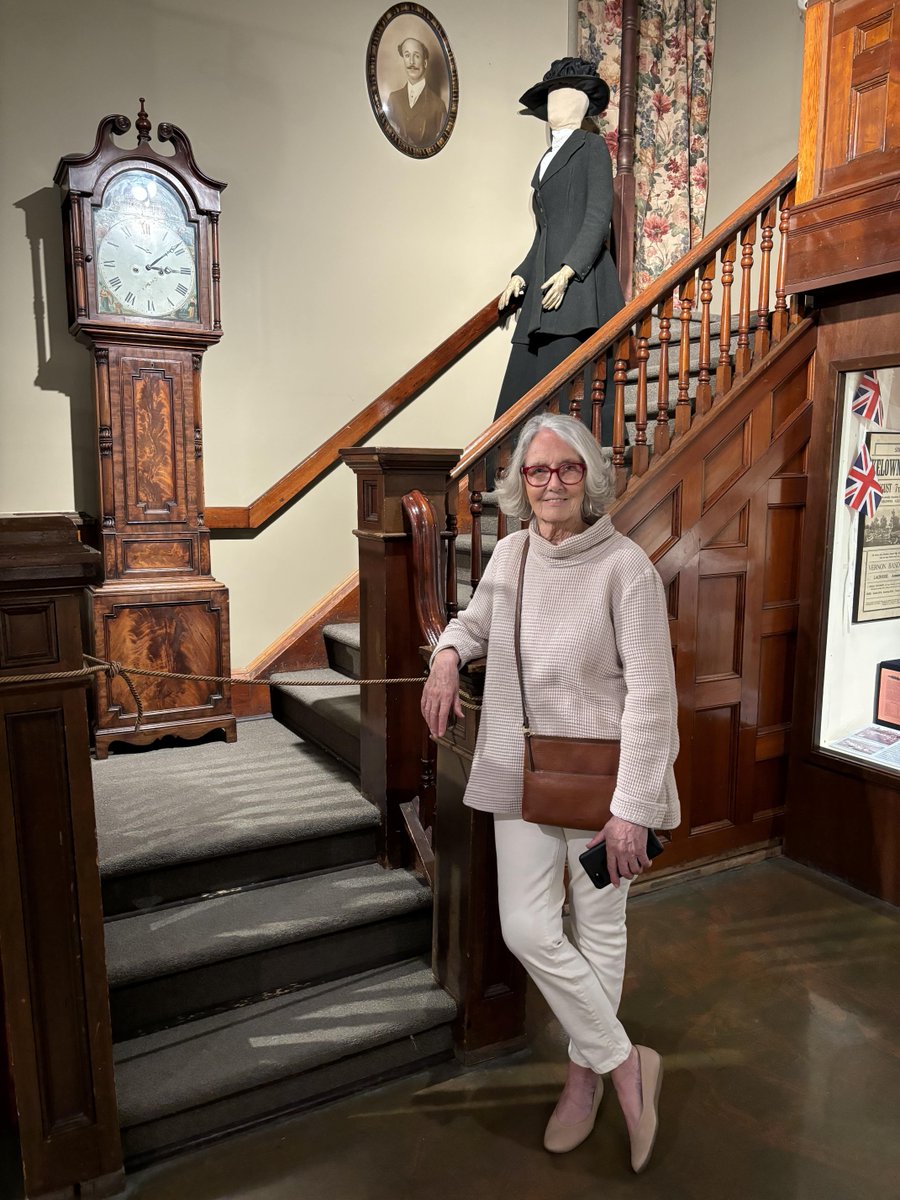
[[222, 927], [179, 1069], [324, 711], [342, 648], [347, 633], [193, 802]]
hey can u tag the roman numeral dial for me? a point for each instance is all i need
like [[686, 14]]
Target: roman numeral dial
[[146, 267]]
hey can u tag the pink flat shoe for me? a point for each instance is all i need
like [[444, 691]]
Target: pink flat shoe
[[560, 1139], [644, 1136]]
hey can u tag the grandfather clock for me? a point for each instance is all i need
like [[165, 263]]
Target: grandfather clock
[[142, 278]]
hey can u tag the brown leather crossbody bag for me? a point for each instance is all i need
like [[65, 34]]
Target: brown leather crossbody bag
[[566, 781]]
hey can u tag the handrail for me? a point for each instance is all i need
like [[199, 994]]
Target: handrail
[[358, 430], [431, 607], [624, 320]]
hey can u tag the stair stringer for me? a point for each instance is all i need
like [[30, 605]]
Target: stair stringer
[[721, 516]]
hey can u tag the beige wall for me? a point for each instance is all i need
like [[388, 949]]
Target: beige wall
[[755, 103], [344, 262]]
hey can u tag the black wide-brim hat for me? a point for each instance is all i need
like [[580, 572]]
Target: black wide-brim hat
[[568, 73]]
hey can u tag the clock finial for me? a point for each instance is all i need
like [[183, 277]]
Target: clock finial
[[142, 124]]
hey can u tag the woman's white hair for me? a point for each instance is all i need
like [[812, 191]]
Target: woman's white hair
[[599, 479]]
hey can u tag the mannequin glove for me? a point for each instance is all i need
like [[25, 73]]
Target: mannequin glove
[[513, 289], [555, 288]]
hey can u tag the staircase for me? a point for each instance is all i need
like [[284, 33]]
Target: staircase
[[328, 714], [259, 959]]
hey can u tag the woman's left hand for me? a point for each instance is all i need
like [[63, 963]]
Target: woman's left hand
[[626, 848], [554, 288]]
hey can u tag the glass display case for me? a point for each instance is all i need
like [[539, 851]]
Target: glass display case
[[859, 713]]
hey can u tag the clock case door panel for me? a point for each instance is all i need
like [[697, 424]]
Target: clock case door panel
[[178, 629]]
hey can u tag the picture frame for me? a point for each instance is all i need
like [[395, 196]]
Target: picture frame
[[876, 588], [412, 80], [887, 693]]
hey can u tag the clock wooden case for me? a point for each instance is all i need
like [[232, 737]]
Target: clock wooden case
[[142, 279]]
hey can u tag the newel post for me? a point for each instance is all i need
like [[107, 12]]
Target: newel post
[[54, 986], [390, 720]]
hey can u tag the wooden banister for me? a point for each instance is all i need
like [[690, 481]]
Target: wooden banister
[[431, 606], [621, 324], [358, 430]]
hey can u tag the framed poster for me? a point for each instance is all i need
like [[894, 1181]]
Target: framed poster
[[412, 80], [876, 594], [887, 694]]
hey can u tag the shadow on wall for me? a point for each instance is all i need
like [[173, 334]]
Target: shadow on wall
[[62, 364]]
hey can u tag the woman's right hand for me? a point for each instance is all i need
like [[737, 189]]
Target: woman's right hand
[[514, 288], [440, 696]]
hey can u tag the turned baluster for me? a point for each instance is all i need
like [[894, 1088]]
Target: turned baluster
[[704, 390], [723, 370], [640, 455], [503, 457], [450, 538], [620, 376], [767, 241], [576, 395], [686, 295], [742, 353], [781, 315], [476, 494], [598, 395], [661, 433]]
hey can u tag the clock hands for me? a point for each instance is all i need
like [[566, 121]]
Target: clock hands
[[152, 266]]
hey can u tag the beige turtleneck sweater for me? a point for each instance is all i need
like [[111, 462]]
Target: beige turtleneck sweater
[[597, 662]]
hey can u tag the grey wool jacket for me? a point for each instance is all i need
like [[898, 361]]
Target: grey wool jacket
[[572, 209], [596, 659]]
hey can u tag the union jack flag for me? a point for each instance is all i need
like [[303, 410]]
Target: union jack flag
[[862, 491], [866, 402]]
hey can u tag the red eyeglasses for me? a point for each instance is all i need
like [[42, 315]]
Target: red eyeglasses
[[569, 472]]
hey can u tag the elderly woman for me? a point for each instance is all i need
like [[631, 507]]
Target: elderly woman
[[597, 663]]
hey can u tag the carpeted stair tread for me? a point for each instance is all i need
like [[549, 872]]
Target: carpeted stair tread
[[195, 802], [327, 695], [178, 1069], [158, 943], [346, 632]]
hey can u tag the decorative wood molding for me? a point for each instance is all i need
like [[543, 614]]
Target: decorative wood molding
[[358, 430]]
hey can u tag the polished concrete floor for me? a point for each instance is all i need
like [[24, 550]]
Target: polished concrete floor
[[772, 993]]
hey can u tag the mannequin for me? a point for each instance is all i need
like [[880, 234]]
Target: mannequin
[[568, 281]]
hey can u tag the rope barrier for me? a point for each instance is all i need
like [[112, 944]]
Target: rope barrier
[[115, 670]]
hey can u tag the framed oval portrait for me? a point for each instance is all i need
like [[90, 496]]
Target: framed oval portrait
[[412, 80]]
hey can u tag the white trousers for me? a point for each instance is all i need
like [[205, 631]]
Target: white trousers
[[581, 980]]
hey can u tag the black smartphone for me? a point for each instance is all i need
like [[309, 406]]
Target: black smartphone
[[594, 860]]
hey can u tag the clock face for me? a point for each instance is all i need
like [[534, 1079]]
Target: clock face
[[145, 251]]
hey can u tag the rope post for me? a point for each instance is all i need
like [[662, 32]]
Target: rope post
[[390, 719]]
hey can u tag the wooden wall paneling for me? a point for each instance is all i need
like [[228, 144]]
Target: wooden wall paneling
[[51, 922], [717, 523], [843, 816], [845, 225]]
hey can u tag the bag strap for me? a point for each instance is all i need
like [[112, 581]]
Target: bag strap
[[517, 632]]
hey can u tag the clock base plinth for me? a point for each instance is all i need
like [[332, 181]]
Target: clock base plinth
[[179, 627]]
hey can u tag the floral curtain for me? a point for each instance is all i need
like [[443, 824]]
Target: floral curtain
[[672, 134]]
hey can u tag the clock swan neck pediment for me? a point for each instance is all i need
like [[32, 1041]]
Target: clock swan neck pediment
[[81, 172]]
